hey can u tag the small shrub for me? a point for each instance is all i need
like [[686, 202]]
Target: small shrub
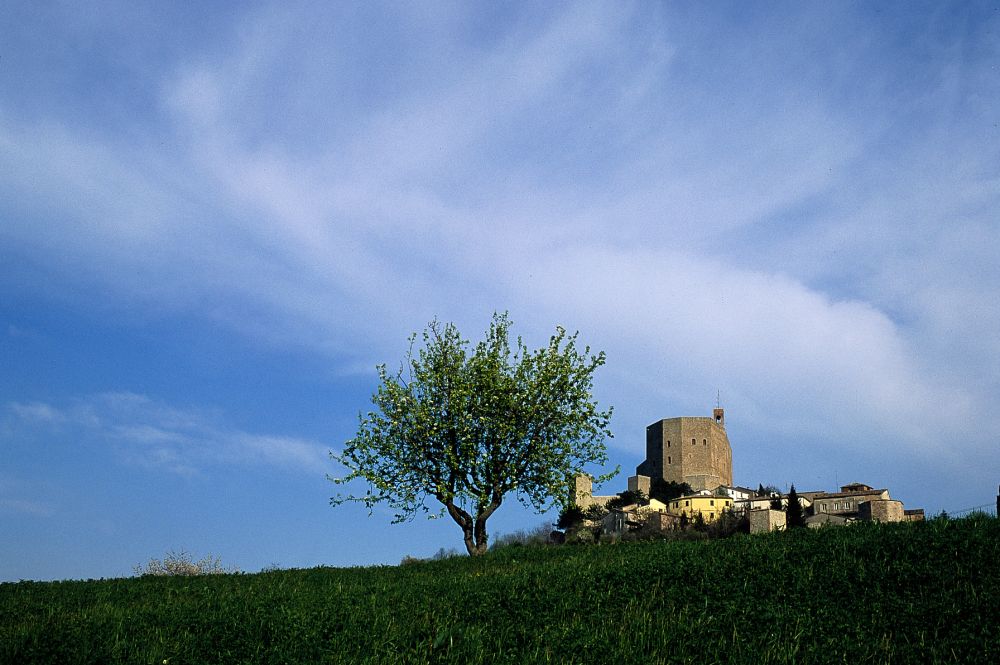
[[580, 537], [536, 536], [182, 564]]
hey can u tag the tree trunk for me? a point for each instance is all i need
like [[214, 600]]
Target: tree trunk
[[464, 520], [473, 530], [479, 530]]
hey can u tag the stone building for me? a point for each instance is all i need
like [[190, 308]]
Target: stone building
[[881, 510], [826, 519], [709, 506], [847, 502], [653, 515], [764, 519], [688, 450], [764, 502], [736, 493]]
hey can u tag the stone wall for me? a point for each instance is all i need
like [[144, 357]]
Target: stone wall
[[881, 510], [581, 493], [639, 484], [762, 521]]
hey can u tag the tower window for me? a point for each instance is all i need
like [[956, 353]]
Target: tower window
[[692, 442], [668, 459], [704, 442], [668, 443]]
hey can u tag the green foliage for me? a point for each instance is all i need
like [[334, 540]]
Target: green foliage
[[664, 491], [627, 498], [595, 513], [793, 512], [868, 593], [570, 517], [729, 524], [698, 523], [183, 565], [466, 427]]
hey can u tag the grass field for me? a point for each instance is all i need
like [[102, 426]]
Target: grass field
[[867, 593]]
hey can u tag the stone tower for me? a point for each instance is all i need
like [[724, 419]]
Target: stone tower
[[689, 450]]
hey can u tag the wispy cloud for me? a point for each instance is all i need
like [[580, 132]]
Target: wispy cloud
[[154, 434], [36, 412], [814, 235]]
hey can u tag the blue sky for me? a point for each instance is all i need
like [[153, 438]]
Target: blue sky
[[216, 219]]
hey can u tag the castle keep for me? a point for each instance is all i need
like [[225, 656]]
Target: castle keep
[[695, 451]]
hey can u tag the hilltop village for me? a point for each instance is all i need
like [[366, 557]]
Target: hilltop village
[[693, 454]]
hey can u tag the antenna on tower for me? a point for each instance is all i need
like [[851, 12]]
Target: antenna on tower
[[719, 414]]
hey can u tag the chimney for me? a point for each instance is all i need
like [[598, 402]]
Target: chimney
[[719, 416]]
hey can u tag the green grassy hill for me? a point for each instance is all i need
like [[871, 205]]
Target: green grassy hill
[[868, 593]]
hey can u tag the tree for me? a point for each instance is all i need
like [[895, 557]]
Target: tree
[[698, 523], [728, 524], [627, 498], [793, 513], [570, 517], [665, 491], [182, 564], [593, 517], [467, 426]]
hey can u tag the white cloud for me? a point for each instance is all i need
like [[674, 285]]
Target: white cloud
[[803, 358], [147, 432], [749, 232], [36, 411]]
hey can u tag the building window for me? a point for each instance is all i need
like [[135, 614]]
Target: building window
[[704, 442], [687, 503], [692, 442], [668, 443], [668, 459], [712, 502]]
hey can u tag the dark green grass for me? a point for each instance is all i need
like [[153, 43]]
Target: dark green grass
[[868, 593]]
